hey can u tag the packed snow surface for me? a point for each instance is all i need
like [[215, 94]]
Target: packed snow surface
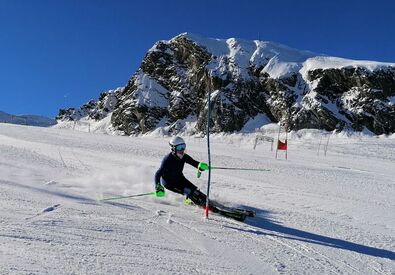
[[317, 213]]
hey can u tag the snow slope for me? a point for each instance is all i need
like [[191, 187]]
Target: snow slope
[[316, 214]]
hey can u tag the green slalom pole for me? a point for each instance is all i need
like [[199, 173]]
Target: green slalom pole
[[241, 169], [125, 197]]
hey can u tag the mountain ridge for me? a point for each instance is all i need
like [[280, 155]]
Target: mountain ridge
[[31, 120], [248, 79]]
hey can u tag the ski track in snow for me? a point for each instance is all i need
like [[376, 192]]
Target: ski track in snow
[[316, 214], [332, 265], [212, 245]]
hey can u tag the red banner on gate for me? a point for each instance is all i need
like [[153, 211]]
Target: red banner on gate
[[282, 145]]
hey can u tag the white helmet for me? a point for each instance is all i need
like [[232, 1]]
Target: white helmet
[[177, 144]]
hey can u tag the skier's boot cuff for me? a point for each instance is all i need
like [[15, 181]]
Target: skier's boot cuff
[[198, 198]]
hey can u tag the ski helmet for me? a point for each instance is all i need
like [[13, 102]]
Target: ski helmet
[[177, 144]]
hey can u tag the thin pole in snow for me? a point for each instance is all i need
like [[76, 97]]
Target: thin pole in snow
[[286, 141], [208, 151], [326, 146], [278, 139], [319, 146]]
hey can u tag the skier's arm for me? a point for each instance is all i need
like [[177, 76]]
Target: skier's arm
[[158, 174], [201, 166], [160, 190], [188, 159]]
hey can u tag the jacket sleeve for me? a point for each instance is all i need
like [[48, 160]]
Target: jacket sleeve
[[159, 173], [191, 161]]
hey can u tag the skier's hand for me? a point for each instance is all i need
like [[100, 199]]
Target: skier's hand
[[160, 191], [203, 166]]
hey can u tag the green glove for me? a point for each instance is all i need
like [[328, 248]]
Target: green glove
[[160, 191], [202, 167]]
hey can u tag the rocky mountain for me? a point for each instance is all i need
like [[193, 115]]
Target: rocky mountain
[[94, 109], [249, 81], [31, 120]]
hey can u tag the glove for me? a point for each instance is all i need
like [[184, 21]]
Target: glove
[[160, 191], [202, 167]]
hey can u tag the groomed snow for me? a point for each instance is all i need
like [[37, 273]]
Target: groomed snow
[[316, 214]]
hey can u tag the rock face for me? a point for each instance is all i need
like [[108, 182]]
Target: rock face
[[247, 79], [94, 109]]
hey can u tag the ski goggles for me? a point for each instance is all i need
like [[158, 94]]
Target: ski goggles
[[181, 147]]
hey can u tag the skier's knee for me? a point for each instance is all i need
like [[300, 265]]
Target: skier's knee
[[187, 191]]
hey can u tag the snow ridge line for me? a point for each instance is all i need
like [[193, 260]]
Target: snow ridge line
[[176, 234], [344, 263], [61, 158], [223, 251], [367, 264], [331, 268], [208, 247], [80, 161]]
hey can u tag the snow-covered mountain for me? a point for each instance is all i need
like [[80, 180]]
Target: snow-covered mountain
[[252, 82], [32, 120]]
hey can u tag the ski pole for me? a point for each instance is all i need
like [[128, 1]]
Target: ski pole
[[125, 197], [242, 169], [199, 173]]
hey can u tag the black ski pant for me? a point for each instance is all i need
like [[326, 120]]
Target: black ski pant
[[180, 187]]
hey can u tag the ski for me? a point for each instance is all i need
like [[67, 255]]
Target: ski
[[199, 199], [246, 212], [249, 213], [237, 215]]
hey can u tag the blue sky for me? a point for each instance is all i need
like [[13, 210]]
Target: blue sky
[[62, 53]]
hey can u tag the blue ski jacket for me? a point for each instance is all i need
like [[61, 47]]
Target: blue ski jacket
[[171, 168]]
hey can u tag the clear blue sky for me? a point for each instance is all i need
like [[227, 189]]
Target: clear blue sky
[[62, 53]]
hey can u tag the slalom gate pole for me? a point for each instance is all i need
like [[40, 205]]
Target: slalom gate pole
[[125, 197], [278, 139], [241, 169], [208, 151], [286, 140]]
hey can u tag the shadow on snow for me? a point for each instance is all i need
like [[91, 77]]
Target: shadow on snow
[[264, 225], [50, 191]]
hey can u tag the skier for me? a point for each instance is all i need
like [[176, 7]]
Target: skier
[[170, 176]]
